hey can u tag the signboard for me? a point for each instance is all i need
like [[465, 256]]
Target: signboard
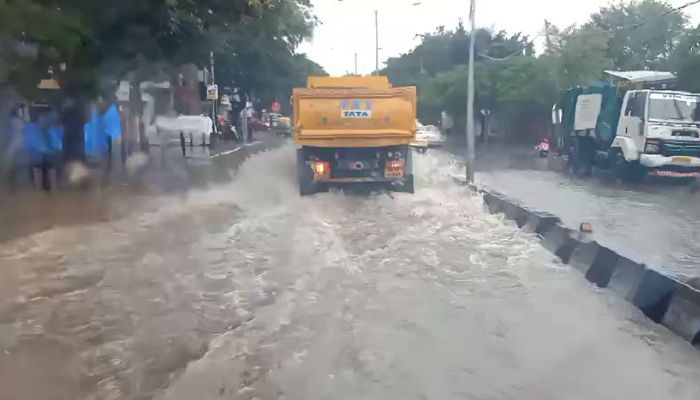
[[356, 108], [212, 92], [587, 111], [686, 98], [356, 113]]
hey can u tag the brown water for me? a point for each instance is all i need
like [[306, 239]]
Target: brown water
[[247, 291]]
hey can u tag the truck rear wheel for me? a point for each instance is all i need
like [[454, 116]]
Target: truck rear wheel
[[305, 175], [581, 156]]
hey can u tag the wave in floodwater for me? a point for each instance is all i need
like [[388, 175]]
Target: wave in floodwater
[[248, 291]]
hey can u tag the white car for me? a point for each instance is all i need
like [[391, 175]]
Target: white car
[[428, 136], [196, 130]]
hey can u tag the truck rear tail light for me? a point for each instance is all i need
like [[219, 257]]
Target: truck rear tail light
[[394, 164], [652, 146], [322, 169]]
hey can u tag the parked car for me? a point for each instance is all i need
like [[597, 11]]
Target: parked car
[[427, 136]]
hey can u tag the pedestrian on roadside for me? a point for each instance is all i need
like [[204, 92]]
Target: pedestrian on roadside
[[243, 122], [249, 116], [13, 144]]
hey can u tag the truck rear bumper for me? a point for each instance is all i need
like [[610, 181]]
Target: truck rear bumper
[[360, 180], [660, 161]]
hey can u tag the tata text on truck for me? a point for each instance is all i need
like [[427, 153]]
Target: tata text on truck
[[352, 130], [633, 128]]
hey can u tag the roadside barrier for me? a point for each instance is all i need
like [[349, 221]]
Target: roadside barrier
[[661, 298], [540, 223], [683, 314], [560, 241], [626, 277]]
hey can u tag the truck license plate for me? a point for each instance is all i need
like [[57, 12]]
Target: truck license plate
[[685, 160]]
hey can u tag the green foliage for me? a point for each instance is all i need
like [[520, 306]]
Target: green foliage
[[442, 51], [101, 41], [36, 37], [686, 61], [518, 88], [578, 55], [643, 33]]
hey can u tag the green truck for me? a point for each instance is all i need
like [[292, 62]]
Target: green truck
[[635, 127]]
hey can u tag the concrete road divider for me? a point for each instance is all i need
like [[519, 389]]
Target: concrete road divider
[[516, 213], [654, 294], [490, 202], [603, 266], [584, 256], [626, 278], [496, 203], [540, 223], [561, 242], [661, 298], [683, 314]]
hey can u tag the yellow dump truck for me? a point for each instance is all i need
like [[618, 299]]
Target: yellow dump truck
[[353, 130]]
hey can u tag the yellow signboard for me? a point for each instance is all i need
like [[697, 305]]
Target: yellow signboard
[[213, 92]]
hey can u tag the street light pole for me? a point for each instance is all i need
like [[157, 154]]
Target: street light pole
[[470, 95], [213, 102], [355, 63], [376, 41]]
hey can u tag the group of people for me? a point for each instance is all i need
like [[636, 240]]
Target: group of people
[[36, 141], [32, 146], [245, 124]]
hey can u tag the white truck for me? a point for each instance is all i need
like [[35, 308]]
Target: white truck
[[647, 132]]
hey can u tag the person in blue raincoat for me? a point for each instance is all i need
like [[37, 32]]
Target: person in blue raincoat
[[45, 142]]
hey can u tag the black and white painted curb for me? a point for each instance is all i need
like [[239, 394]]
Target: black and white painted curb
[[663, 299]]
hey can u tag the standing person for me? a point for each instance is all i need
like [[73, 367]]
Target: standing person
[[243, 122], [13, 143], [249, 116], [73, 120]]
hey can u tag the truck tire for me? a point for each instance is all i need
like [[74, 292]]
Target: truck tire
[[580, 158], [626, 171], [305, 175]]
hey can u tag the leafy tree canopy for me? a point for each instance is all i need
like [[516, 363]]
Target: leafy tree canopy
[[100, 41]]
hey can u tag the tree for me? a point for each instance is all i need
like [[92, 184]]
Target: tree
[[686, 61], [643, 34], [577, 55], [443, 50], [35, 37]]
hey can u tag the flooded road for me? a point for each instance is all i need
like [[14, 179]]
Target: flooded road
[[657, 223], [246, 291]]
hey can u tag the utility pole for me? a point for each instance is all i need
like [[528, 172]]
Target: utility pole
[[546, 34], [470, 95], [355, 63], [376, 42], [213, 102]]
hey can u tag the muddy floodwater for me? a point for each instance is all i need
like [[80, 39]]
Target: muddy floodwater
[[247, 291]]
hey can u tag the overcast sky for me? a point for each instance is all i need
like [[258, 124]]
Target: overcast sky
[[347, 26]]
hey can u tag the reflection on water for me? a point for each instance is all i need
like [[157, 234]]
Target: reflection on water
[[247, 291]]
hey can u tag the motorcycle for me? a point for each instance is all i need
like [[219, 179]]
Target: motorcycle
[[543, 148]]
